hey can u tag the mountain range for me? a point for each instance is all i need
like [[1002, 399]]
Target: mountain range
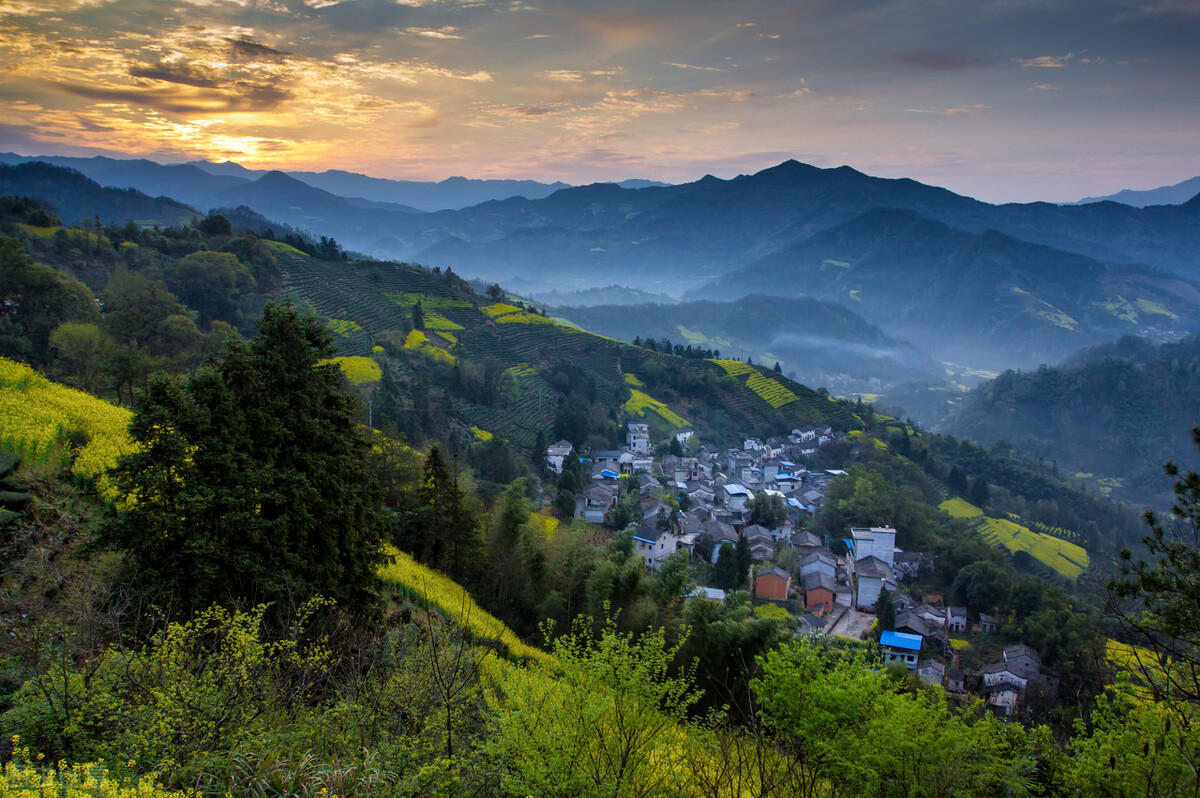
[[986, 285], [198, 182], [1163, 195], [989, 298], [822, 343]]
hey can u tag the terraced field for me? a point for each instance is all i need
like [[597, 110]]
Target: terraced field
[[1057, 553], [639, 404]]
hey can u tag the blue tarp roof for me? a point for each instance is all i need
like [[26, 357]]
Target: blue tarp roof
[[609, 474], [901, 640]]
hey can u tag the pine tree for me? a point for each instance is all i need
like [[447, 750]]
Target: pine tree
[[745, 559], [251, 482], [725, 570], [418, 317]]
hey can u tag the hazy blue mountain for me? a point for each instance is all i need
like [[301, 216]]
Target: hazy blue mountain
[[452, 193], [76, 198], [1163, 195], [355, 223], [814, 340], [608, 295], [696, 231], [986, 299], [182, 182]]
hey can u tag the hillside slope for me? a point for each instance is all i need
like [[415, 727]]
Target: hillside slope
[[1111, 417], [528, 365]]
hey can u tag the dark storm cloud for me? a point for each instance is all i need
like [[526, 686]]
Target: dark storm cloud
[[245, 49], [176, 73]]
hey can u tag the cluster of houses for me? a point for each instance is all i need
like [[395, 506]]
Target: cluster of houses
[[711, 492]]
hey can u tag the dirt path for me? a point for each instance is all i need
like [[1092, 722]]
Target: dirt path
[[852, 624]]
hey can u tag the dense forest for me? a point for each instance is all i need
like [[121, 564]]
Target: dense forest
[[289, 584], [1111, 415]]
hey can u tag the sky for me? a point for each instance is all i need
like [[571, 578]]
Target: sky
[[1003, 100]]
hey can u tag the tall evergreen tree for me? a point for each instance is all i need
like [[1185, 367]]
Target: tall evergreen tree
[[251, 481], [744, 560]]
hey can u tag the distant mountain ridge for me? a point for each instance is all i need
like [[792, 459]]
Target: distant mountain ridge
[[196, 182], [701, 230], [76, 198], [968, 297], [1163, 195]]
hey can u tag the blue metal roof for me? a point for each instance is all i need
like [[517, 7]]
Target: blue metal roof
[[901, 640]]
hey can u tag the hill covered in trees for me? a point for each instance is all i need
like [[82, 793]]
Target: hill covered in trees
[[1110, 415]]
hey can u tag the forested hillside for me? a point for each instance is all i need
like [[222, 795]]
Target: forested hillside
[[1110, 416]]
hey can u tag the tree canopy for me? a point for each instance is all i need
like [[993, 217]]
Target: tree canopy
[[251, 482]]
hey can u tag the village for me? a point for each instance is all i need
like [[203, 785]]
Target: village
[[761, 498]]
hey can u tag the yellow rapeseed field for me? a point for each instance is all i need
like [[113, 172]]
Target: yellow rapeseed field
[[432, 587], [358, 369], [640, 402], [39, 417]]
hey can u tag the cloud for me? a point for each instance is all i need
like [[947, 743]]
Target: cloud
[[246, 49], [954, 111], [692, 66], [1044, 87], [236, 97], [444, 32], [576, 75], [1046, 61]]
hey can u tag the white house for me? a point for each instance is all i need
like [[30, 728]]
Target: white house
[[735, 496], [637, 437], [557, 454], [876, 541]]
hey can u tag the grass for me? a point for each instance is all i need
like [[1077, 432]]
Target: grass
[[1052, 550], [862, 437], [1149, 306], [502, 313], [1140, 663], [772, 392], [44, 233], [958, 508], [1062, 556], [735, 367], [279, 246], [547, 524], [342, 327], [419, 341]]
